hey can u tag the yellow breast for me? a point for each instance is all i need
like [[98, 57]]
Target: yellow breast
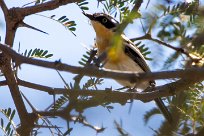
[[121, 62]]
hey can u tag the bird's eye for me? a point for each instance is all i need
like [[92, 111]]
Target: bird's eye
[[104, 20]]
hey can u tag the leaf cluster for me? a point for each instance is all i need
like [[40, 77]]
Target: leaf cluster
[[172, 24], [85, 58], [8, 129], [119, 8], [37, 53], [180, 8], [64, 20], [83, 5], [144, 50], [193, 109]]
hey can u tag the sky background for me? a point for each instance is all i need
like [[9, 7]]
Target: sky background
[[69, 49]]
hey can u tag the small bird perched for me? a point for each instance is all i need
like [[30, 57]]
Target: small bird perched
[[129, 59]]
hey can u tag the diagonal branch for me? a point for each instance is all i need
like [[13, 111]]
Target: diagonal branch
[[11, 80], [178, 49], [4, 7], [149, 37]]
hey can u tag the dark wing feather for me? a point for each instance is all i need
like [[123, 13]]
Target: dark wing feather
[[137, 58], [134, 53]]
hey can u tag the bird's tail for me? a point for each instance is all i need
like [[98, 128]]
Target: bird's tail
[[164, 110]]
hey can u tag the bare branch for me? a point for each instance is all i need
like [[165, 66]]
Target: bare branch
[[3, 83], [191, 73], [149, 94], [50, 5], [178, 49], [181, 50], [4, 7], [81, 120], [11, 80]]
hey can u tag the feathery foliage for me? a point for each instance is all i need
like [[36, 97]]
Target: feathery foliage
[[37, 53], [85, 58], [117, 8], [70, 25], [10, 128], [144, 50], [150, 113], [83, 5]]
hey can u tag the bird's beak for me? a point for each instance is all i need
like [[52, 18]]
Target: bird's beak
[[90, 16]]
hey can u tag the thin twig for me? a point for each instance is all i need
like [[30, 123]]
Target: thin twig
[[178, 49]]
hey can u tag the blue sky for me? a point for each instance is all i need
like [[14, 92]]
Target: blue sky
[[65, 46]]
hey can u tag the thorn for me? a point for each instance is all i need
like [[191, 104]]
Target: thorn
[[32, 107], [22, 24]]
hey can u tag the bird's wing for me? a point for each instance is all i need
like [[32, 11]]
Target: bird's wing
[[134, 53]]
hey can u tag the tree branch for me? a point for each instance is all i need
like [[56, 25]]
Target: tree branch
[[191, 73], [149, 94], [104, 96], [12, 20], [11, 80], [149, 37], [4, 7], [50, 5]]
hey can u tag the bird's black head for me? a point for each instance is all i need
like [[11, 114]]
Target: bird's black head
[[104, 19]]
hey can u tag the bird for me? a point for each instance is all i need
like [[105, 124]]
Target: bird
[[129, 59]]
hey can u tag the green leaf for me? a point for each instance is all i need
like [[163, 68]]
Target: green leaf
[[83, 3], [68, 132], [149, 114], [64, 20], [8, 112], [39, 53], [8, 126], [45, 52], [11, 133], [82, 63], [29, 53], [63, 17], [52, 16], [60, 102], [2, 123], [12, 114], [34, 52], [84, 8], [110, 107], [49, 55], [25, 53], [72, 22], [72, 28]]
